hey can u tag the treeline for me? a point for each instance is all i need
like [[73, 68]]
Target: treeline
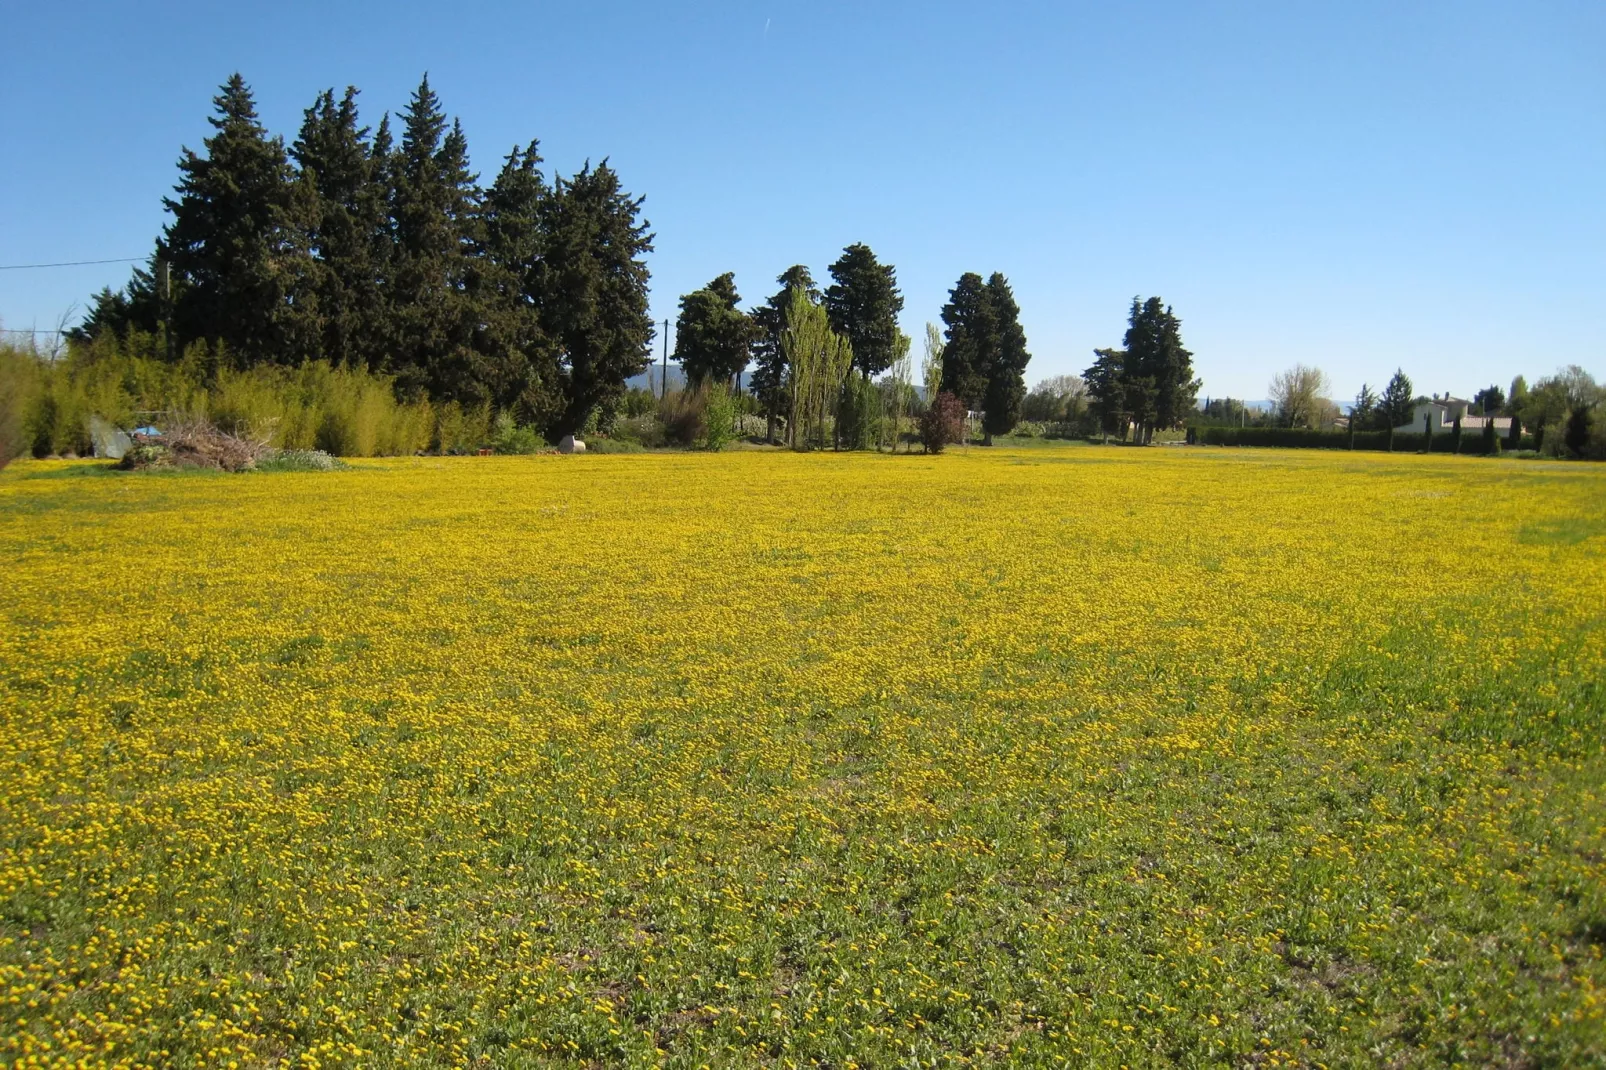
[[832, 367], [378, 251]]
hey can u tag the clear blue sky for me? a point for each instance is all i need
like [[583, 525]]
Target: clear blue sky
[[1355, 184]]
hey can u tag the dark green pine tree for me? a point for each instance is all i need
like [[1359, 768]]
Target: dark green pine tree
[[1155, 354], [1106, 388], [518, 362], [433, 210], [141, 305], [1396, 407], [379, 337], [969, 319], [712, 334], [864, 303], [594, 293], [235, 242], [770, 384], [342, 210], [1006, 363]]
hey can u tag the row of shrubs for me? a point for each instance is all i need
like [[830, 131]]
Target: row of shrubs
[[1471, 442], [47, 405]]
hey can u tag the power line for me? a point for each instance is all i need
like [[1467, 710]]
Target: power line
[[72, 263], [30, 330]]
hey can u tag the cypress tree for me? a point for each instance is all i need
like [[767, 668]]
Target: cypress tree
[[1455, 435], [1007, 360], [341, 214], [235, 242], [863, 304], [1155, 354], [433, 210], [594, 293], [518, 361], [968, 316], [712, 335], [1514, 434]]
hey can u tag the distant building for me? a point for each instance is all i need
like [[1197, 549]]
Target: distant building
[[1440, 414]]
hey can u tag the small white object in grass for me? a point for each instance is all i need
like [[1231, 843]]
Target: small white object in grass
[[570, 444]]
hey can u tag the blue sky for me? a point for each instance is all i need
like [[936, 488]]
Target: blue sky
[[1356, 185]]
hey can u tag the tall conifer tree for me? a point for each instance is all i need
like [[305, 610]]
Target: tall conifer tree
[[594, 293], [712, 335], [433, 209], [968, 316], [343, 210], [864, 303], [235, 241], [505, 280]]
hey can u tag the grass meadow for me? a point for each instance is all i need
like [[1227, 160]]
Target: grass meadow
[[1085, 757]]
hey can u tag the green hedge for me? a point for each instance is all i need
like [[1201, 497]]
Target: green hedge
[[1301, 438]]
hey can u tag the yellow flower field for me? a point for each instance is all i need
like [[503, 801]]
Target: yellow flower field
[[1055, 756]]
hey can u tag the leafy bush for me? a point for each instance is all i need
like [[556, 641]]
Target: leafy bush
[[644, 431], [508, 437], [460, 430], [719, 425], [300, 461], [942, 423]]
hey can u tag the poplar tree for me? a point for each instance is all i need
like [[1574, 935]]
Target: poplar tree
[[863, 303], [712, 335], [235, 243], [818, 361], [770, 383], [594, 293]]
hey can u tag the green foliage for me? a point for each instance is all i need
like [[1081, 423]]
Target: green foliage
[[858, 415], [1577, 434], [818, 360], [300, 461], [509, 437], [771, 384], [346, 411], [863, 304], [459, 429], [1150, 382], [21, 380], [594, 292], [712, 335], [235, 240], [1398, 402], [1490, 400], [719, 425], [370, 254], [342, 203]]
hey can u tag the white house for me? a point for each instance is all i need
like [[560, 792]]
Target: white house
[[1440, 415]]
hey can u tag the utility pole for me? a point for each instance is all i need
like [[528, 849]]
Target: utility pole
[[663, 381], [167, 307]]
